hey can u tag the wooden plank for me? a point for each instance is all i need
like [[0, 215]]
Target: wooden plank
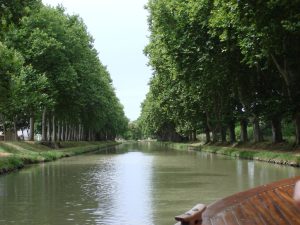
[[229, 218], [206, 221], [259, 208], [241, 216], [250, 211], [288, 190], [290, 205], [218, 220], [284, 208], [277, 215], [287, 198]]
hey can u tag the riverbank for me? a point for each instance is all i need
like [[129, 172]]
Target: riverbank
[[273, 154], [15, 155]]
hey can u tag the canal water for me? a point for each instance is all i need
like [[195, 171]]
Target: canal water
[[131, 184]]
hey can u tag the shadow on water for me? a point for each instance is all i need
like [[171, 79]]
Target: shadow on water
[[129, 184]]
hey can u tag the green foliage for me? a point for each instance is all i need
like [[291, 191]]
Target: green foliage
[[12, 11], [219, 62], [24, 92], [10, 66], [134, 131], [51, 67]]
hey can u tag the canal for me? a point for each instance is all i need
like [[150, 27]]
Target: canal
[[130, 184]]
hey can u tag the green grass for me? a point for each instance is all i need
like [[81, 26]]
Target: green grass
[[288, 158], [24, 153], [11, 163]]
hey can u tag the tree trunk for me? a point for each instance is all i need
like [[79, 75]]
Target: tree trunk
[[244, 131], [74, 133], [215, 136], [90, 135], [190, 136], [101, 136], [15, 130], [62, 134], [297, 125], [31, 136], [49, 129], [276, 130], [22, 134], [232, 135], [79, 133], [69, 133], [257, 135], [67, 137], [44, 137], [223, 134], [194, 135], [66, 132], [53, 129], [207, 134], [58, 131], [4, 131], [82, 133]]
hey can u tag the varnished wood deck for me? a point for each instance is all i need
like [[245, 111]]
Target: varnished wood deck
[[269, 204]]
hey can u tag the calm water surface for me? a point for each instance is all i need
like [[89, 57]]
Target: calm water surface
[[130, 185]]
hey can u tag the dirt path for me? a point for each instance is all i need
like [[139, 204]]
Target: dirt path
[[4, 154]]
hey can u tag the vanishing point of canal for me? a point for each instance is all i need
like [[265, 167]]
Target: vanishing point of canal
[[131, 184]]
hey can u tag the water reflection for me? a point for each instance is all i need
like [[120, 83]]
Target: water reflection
[[122, 189], [133, 201], [251, 173]]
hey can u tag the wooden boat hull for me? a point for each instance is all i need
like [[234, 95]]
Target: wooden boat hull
[[268, 204]]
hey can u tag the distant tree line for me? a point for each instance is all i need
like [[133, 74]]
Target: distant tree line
[[221, 65], [51, 79], [133, 132]]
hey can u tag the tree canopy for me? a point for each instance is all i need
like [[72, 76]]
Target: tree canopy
[[51, 76], [220, 63]]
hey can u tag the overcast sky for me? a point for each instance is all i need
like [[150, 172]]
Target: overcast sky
[[120, 31]]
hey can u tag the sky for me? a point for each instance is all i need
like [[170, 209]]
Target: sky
[[120, 31]]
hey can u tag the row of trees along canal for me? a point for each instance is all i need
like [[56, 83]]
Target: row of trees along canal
[[221, 64], [50, 75]]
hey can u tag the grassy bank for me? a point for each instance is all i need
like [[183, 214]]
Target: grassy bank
[[279, 155], [15, 155]]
